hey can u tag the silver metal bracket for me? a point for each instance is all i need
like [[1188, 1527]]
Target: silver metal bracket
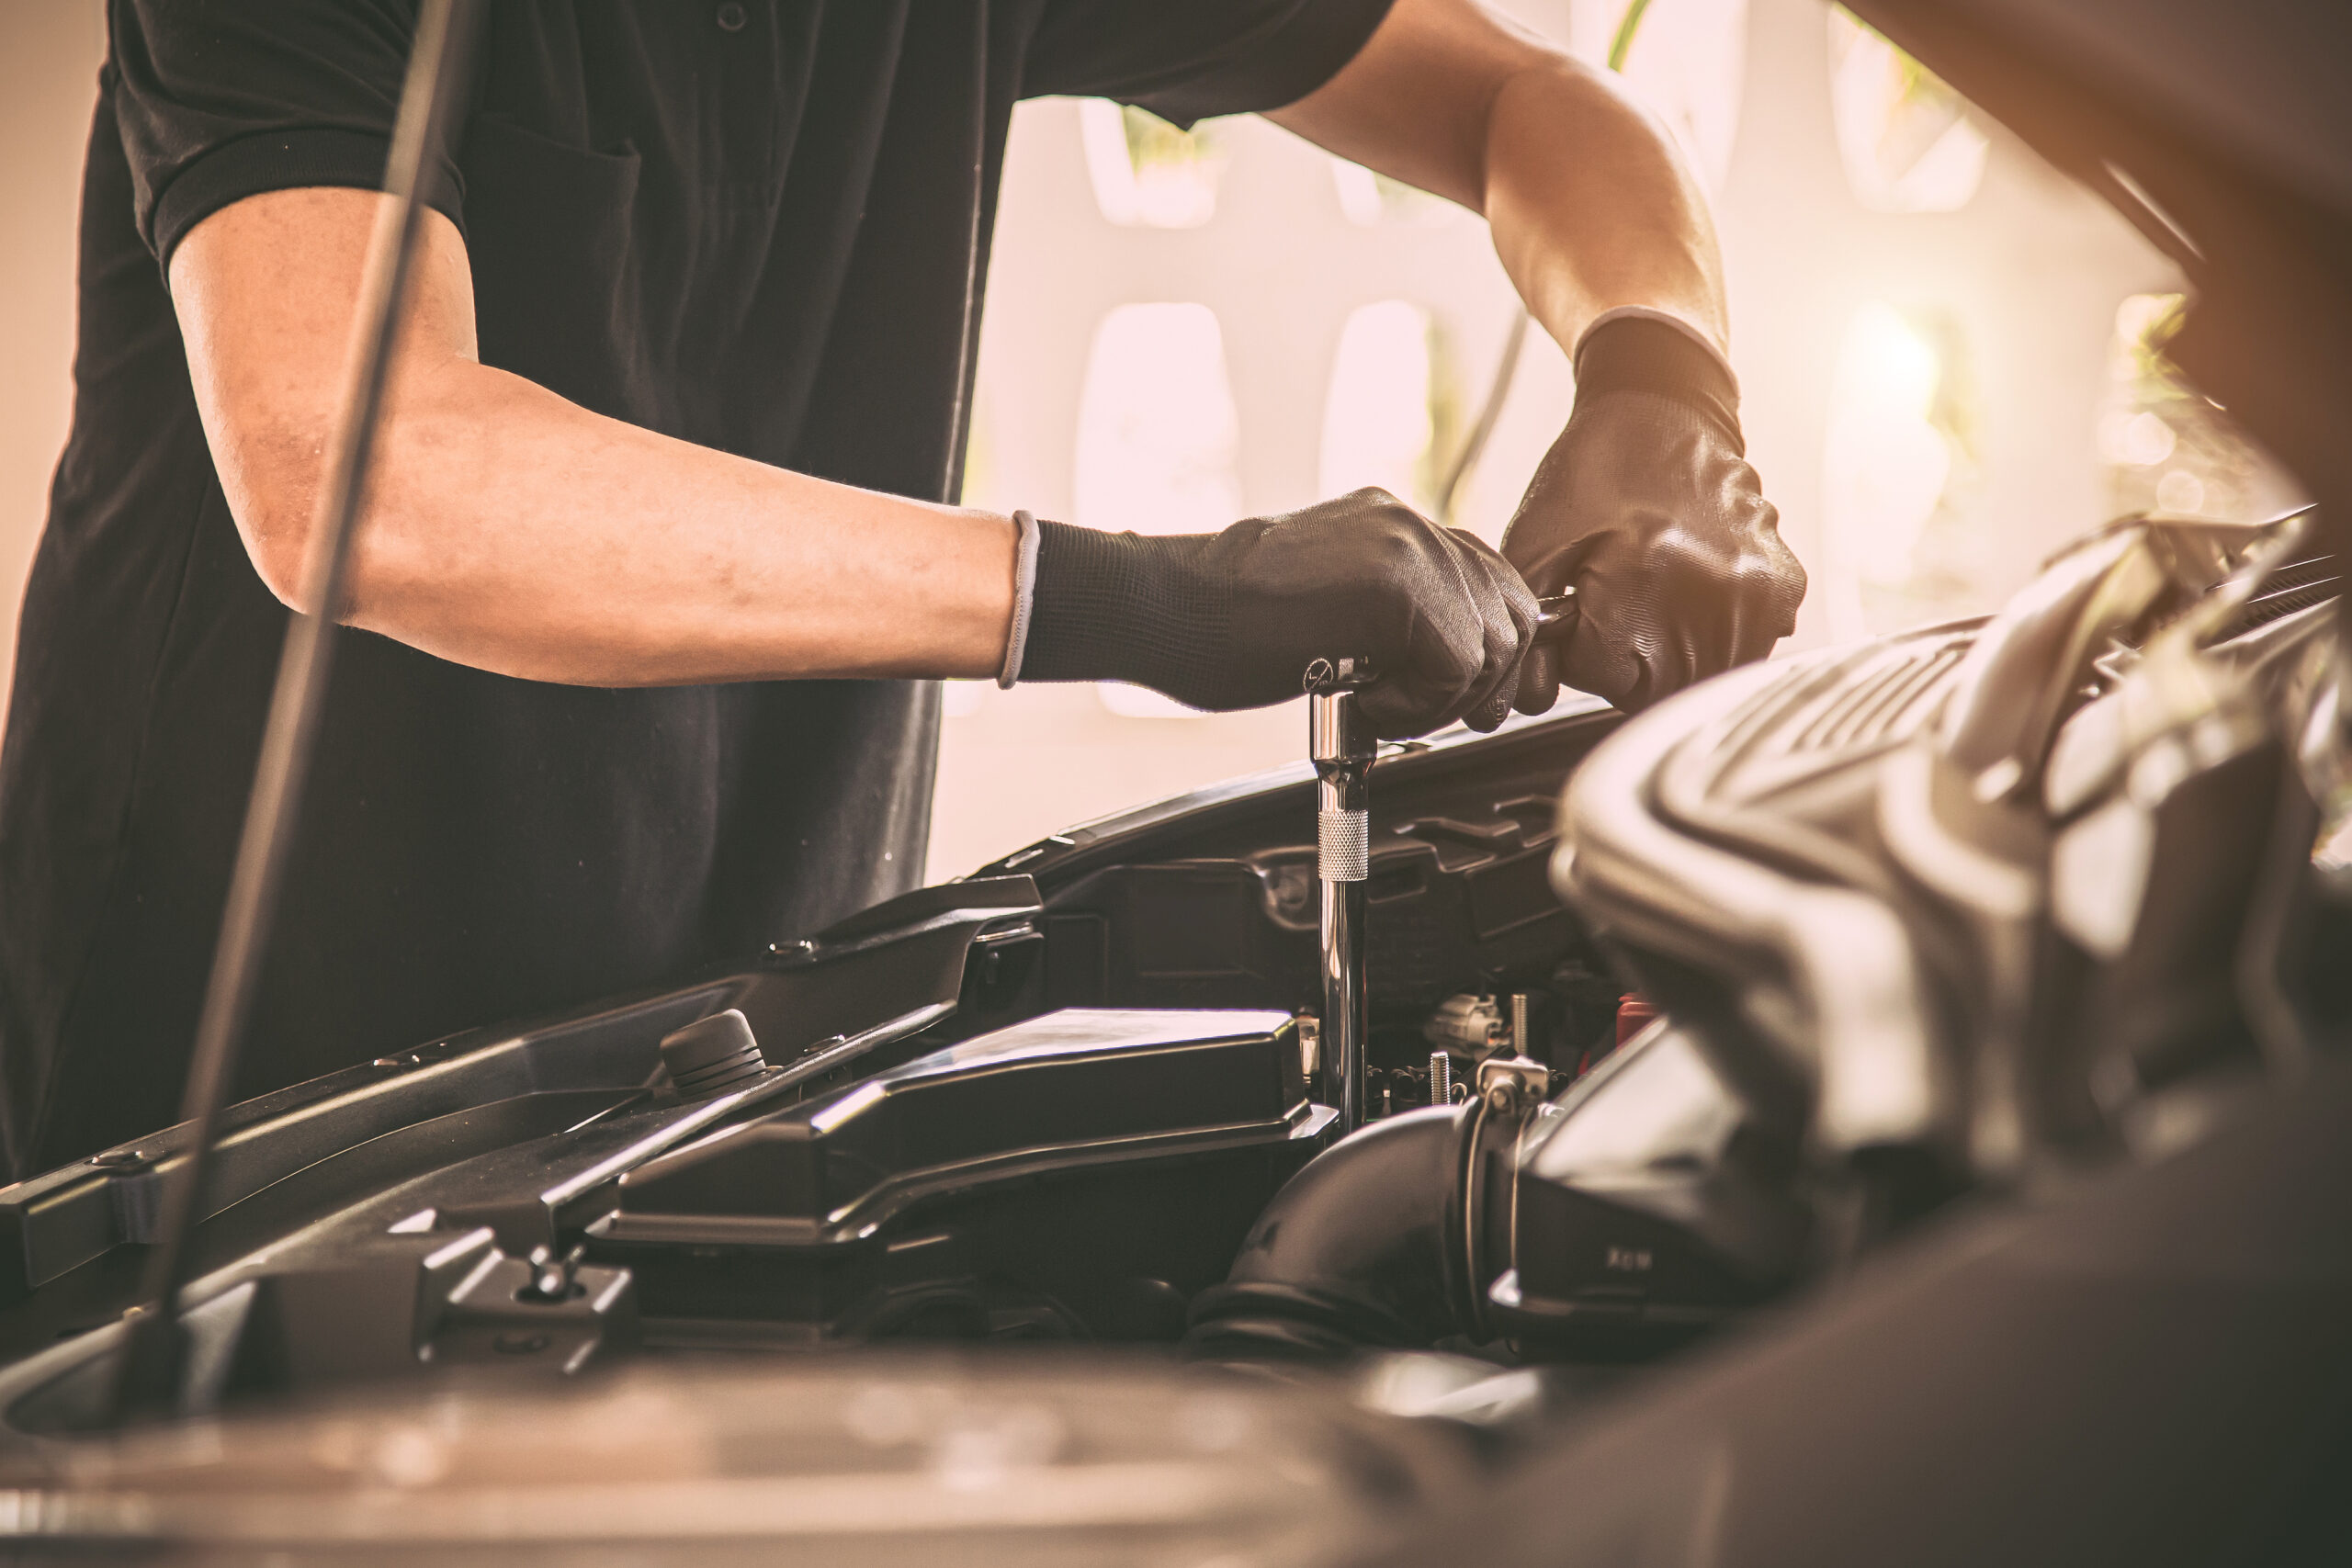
[[1509, 1083]]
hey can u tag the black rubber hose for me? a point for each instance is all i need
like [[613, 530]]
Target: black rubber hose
[[1362, 1249]]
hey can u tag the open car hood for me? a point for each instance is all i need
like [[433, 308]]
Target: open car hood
[[2224, 133]]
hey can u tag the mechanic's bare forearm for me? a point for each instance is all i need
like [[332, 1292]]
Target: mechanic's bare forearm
[[1591, 204], [513, 530], [1592, 207]]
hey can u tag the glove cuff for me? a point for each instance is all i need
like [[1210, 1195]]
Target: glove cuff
[[1636, 350], [1024, 598], [1128, 607]]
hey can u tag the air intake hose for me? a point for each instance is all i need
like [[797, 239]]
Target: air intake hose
[[1367, 1246], [1644, 1205]]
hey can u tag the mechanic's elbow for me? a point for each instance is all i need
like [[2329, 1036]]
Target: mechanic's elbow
[[275, 475], [269, 458], [276, 528], [272, 466]]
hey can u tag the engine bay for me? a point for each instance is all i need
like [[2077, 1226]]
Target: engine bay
[[1046, 1103], [1804, 916]]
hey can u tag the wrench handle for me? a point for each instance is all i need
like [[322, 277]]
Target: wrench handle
[[1555, 622], [1556, 616]]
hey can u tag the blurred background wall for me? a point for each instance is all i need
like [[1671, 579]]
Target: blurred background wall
[[49, 51], [1946, 353]]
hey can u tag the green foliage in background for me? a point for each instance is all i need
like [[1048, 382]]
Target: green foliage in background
[[1152, 142]]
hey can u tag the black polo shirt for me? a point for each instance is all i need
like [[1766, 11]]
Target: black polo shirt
[[759, 225]]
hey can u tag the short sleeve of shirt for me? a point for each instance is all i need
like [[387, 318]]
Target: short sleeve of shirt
[[1187, 60], [217, 100]]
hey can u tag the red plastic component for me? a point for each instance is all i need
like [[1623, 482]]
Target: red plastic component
[[1634, 1015]]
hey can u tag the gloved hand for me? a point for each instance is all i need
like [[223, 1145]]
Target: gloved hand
[[1232, 620], [1646, 505]]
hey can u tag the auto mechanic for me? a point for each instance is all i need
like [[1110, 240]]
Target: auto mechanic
[[661, 556]]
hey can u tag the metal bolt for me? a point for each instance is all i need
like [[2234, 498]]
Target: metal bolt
[[1440, 1079], [552, 1277]]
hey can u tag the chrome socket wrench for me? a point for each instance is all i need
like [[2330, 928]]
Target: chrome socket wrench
[[1342, 745]]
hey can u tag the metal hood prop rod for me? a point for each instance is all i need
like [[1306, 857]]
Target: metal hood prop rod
[[149, 1375]]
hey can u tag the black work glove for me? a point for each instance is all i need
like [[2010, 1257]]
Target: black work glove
[[1232, 620], [1646, 505]]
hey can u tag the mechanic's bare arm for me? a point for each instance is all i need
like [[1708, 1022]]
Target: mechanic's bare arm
[[512, 530], [1590, 205]]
